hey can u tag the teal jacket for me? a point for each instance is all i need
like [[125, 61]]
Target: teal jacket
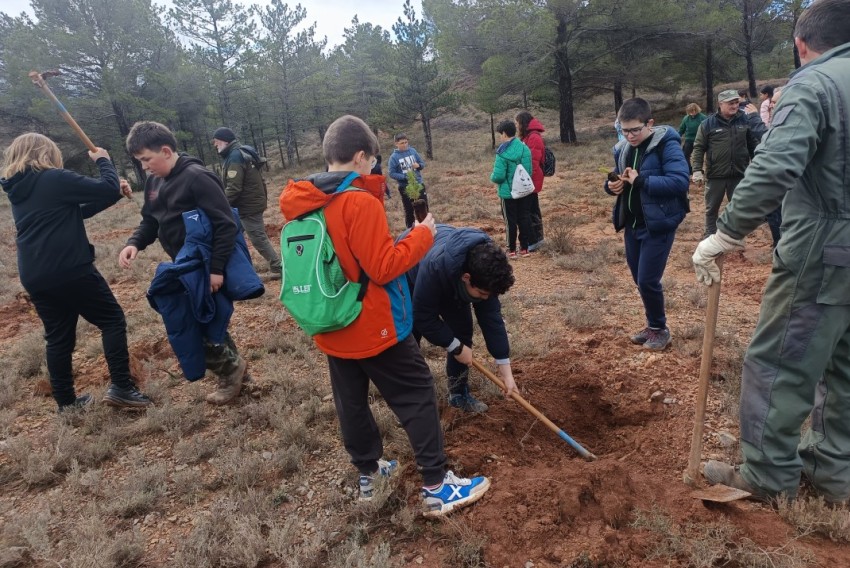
[[803, 162], [689, 126], [508, 155]]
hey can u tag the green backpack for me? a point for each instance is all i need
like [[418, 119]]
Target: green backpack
[[314, 290]]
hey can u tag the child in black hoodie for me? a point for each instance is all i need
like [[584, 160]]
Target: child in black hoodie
[[56, 262], [178, 183]]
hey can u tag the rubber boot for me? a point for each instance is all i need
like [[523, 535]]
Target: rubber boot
[[229, 385]]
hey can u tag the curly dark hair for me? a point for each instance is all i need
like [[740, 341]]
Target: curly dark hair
[[489, 268]]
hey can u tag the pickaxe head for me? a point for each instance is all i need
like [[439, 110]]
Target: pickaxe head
[[38, 78]]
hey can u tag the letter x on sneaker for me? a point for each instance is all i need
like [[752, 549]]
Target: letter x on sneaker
[[455, 492], [366, 483]]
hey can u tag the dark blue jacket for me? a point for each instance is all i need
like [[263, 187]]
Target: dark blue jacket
[[180, 293], [664, 184], [434, 282]]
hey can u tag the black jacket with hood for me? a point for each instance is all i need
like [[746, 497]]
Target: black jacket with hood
[[189, 186], [48, 207]]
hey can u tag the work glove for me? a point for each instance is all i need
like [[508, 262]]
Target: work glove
[[698, 177], [708, 250]]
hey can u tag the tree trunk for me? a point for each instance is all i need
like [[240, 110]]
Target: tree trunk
[[618, 94], [524, 99], [429, 141], [566, 113], [709, 77], [124, 130], [492, 131], [747, 29]]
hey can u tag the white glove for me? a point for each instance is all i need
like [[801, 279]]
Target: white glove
[[698, 177], [707, 252]]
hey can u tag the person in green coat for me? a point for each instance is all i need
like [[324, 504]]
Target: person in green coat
[[798, 362], [688, 130], [517, 212], [246, 190]]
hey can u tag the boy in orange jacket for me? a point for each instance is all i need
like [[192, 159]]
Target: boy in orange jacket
[[378, 345]]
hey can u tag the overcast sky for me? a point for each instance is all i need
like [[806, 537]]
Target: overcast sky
[[331, 16]]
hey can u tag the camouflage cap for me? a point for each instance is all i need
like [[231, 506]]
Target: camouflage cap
[[728, 96]]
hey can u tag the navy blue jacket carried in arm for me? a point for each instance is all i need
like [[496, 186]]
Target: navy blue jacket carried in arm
[[663, 181], [180, 293], [435, 282], [189, 186], [48, 208]]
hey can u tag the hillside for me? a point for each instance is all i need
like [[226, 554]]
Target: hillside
[[266, 481]]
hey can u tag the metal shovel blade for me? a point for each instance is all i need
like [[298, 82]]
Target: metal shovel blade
[[720, 494]]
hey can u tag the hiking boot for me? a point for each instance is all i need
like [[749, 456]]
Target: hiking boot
[[640, 337], [459, 395], [453, 493], [81, 401], [717, 472], [657, 339], [467, 402], [129, 397], [366, 482], [229, 385]]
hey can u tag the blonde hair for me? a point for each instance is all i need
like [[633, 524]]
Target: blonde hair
[[31, 150], [693, 107]]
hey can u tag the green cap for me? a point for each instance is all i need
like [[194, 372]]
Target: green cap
[[728, 96]]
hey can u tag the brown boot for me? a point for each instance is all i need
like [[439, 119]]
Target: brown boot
[[229, 385]]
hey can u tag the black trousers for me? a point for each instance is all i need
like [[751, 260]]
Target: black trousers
[[407, 203], [688, 148], [536, 219], [404, 380], [60, 308], [517, 214]]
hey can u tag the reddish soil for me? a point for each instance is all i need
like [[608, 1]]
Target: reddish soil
[[546, 504]]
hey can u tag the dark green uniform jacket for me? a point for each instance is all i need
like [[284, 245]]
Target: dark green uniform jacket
[[723, 148], [243, 183]]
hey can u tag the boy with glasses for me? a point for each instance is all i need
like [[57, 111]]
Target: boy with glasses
[[652, 198]]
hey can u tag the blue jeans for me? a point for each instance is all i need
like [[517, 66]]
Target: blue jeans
[[646, 255]]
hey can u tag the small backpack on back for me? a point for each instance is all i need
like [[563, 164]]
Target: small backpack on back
[[250, 154], [314, 289], [548, 162]]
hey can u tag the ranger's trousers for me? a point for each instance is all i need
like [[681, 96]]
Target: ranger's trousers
[[798, 364], [715, 189], [255, 228]]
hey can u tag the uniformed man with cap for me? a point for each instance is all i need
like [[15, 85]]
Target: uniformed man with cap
[[723, 148], [246, 190]]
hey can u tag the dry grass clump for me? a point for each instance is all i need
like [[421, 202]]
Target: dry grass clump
[[29, 355], [713, 544], [560, 233], [811, 515], [466, 546], [137, 494]]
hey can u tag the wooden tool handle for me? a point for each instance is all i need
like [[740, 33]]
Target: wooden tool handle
[[692, 473]]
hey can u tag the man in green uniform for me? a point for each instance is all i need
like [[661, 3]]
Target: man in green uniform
[[798, 362], [246, 190]]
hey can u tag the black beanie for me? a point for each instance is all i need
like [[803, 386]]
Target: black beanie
[[224, 134]]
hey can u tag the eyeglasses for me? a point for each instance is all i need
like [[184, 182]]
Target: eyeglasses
[[633, 131]]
